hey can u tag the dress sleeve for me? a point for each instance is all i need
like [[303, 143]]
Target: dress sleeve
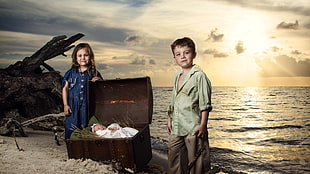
[[66, 77], [99, 75]]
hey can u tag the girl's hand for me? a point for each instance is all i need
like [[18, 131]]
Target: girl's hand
[[169, 126], [95, 79], [67, 110]]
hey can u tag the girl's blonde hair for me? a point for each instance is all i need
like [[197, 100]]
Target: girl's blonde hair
[[92, 64]]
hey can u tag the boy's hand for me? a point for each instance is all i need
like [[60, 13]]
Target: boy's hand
[[202, 128], [200, 131], [169, 126]]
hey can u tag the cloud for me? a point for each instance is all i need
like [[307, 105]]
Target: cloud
[[284, 66], [138, 61], [307, 25], [152, 62], [134, 40], [134, 59], [296, 52], [296, 6], [292, 26], [215, 53], [215, 36], [101, 66], [240, 47], [37, 18], [19, 44], [139, 40], [275, 49]]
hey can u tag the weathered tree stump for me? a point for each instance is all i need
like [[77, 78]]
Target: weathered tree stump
[[25, 87]]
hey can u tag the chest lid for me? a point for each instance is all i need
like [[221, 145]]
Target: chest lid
[[123, 101]]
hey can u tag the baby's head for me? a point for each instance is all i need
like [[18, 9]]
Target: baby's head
[[97, 127]]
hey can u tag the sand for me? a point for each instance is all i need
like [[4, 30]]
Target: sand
[[40, 154]]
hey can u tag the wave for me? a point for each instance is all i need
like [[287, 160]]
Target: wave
[[224, 119], [244, 129], [240, 162], [280, 141], [226, 160]]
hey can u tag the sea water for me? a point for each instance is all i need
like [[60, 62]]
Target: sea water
[[252, 129]]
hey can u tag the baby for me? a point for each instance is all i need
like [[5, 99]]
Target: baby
[[114, 130]]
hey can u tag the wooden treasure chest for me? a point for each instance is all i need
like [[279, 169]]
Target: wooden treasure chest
[[127, 101]]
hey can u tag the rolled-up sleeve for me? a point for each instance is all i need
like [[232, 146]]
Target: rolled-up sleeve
[[204, 90]]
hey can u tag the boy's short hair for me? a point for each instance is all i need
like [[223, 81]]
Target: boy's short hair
[[185, 41]]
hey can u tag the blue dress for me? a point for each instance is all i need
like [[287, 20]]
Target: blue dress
[[77, 99]]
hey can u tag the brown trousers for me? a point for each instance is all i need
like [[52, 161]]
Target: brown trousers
[[182, 150]]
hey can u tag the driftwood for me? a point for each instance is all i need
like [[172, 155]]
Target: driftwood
[[26, 86], [57, 46], [29, 122], [10, 126], [54, 122]]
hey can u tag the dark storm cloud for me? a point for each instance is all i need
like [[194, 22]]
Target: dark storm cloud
[[215, 53], [284, 66], [27, 17], [215, 36], [240, 47], [288, 25], [135, 3]]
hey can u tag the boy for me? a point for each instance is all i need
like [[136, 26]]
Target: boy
[[188, 147]]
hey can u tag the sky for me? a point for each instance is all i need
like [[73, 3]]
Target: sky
[[239, 42]]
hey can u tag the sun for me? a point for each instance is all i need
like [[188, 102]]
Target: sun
[[252, 31]]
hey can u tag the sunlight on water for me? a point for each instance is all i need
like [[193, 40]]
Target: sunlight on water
[[266, 127]]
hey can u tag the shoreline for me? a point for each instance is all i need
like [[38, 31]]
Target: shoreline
[[41, 154]]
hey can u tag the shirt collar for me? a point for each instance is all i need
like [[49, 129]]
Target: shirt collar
[[194, 69], [88, 71]]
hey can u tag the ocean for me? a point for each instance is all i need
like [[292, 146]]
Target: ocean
[[252, 129]]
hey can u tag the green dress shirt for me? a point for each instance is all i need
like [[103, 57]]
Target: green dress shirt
[[187, 103]]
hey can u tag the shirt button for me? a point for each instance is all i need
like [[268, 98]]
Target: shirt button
[[81, 98], [82, 86], [82, 80], [81, 92]]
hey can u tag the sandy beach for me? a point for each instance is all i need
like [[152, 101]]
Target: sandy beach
[[40, 154]]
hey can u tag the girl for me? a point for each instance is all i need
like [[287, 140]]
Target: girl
[[74, 87]]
